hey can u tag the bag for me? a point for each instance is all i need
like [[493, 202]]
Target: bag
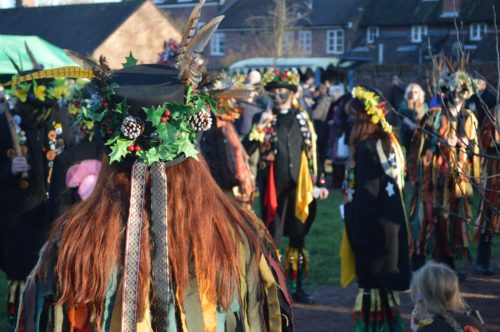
[[343, 151]]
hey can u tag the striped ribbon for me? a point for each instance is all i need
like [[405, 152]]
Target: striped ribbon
[[159, 229], [133, 248]]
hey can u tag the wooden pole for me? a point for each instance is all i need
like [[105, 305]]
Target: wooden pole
[[23, 183]]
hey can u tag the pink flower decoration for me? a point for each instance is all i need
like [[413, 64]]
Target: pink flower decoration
[[84, 176]]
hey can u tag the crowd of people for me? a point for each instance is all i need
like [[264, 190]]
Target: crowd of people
[[128, 195]]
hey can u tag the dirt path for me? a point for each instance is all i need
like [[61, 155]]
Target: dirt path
[[332, 313]]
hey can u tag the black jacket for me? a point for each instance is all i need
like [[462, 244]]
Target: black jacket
[[23, 210], [376, 224], [288, 157]]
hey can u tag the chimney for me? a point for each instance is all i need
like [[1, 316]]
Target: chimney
[[451, 7]]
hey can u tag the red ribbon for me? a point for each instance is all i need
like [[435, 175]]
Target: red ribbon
[[271, 199]]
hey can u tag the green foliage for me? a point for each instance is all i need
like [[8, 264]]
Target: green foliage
[[119, 148], [176, 135], [129, 61]]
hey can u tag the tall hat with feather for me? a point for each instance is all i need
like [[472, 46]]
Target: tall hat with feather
[[148, 117]]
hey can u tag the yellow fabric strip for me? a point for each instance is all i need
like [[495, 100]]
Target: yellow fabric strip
[[314, 139], [209, 312], [272, 295], [58, 318], [305, 188], [243, 288], [347, 261]]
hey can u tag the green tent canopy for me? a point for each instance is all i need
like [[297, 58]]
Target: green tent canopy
[[46, 54]]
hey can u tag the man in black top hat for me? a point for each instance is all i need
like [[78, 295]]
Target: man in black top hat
[[287, 173]]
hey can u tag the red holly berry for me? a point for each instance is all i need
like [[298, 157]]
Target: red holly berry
[[167, 113], [131, 148], [137, 148], [164, 119], [104, 104]]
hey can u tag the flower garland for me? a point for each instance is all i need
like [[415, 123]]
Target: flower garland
[[452, 82], [280, 76], [33, 91], [374, 107]]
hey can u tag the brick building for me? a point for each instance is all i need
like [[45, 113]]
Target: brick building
[[111, 29], [374, 38], [326, 28], [399, 37]]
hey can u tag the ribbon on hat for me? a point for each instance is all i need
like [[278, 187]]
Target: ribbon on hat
[[84, 176], [161, 273], [163, 301], [133, 248]]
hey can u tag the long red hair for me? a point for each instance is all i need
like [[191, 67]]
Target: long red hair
[[363, 127], [204, 233]]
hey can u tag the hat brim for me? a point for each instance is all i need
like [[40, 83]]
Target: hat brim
[[279, 85]]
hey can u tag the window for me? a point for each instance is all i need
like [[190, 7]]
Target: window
[[287, 42], [477, 31], [335, 41], [371, 34], [417, 32], [305, 42], [218, 44]]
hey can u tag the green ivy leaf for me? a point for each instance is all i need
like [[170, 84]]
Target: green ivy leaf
[[129, 61], [119, 148]]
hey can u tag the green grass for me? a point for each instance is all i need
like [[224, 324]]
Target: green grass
[[323, 243]]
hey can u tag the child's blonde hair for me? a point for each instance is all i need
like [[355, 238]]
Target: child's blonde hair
[[434, 291]]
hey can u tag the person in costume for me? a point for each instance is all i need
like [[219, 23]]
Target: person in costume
[[375, 219], [488, 221], [287, 173], [422, 208], [223, 151], [76, 168], [439, 306], [157, 246], [456, 168], [32, 134]]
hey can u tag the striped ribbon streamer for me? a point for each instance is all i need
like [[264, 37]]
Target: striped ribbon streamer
[[159, 229], [133, 248]]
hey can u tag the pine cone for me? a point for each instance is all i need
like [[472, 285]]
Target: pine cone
[[132, 127], [201, 121]]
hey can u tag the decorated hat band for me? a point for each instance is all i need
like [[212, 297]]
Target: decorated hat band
[[281, 78]]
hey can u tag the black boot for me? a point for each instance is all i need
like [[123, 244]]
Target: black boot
[[300, 295], [483, 262]]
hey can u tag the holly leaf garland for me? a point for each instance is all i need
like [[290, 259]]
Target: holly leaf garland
[[154, 115], [119, 148]]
